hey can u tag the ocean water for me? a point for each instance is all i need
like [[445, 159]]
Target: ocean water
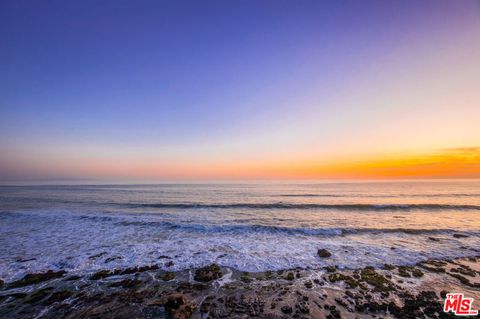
[[251, 227]]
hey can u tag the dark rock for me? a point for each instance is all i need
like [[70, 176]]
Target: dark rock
[[464, 270], [308, 284], [59, 296], [334, 314], [178, 306], [101, 274], [465, 281], [97, 256], [39, 295], [73, 278], [388, 267], [302, 307], [352, 283], [245, 277], [433, 239], [269, 274], [126, 283], [460, 236], [31, 279], [168, 275], [443, 294], [370, 276], [408, 271], [323, 253], [137, 269], [110, 259], [20, 260], [290, 276], [208, 273], [330, 269], [18, 295], [169, 263], [286, 309]]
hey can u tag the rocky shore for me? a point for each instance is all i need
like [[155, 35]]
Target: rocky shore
[[218, 292]]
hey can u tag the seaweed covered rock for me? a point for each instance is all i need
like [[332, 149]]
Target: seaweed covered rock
[[208, 273], [373, 278], [31, 279], [408, 271], [168, 275], [352, 283], [290, 276]]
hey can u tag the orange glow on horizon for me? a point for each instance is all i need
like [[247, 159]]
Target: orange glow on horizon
[[447, 163]]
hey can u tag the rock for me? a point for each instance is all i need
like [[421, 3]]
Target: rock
[[465, 281], [290, 276], [330, 269], [31, 279], [73, 278], [97, 255], [308, 284], [371, 277], [245, 277], [464, 270], [1, 283], [110, 259], [127, 283], [168, 275], [169, 263], [208, 273], [388, 267], [352, 283], [286, 309], [302, 307], [39, 295], [323, 253], [178, 306], [334, 314], [174, 301], [58, 296], [408, 271], [460, 236], [433, 239], [137, 269], [101, 274]]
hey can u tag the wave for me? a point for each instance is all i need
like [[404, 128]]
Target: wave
[[355, 207], [380, 195], [255, 228]]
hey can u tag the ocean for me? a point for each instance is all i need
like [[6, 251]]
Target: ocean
[[250, 227]]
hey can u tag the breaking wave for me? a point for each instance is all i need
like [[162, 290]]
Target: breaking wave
[[356, 207]]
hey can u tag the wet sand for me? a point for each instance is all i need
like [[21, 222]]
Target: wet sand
[[219, 292]]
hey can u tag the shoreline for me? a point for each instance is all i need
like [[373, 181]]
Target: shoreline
[[222, 292]]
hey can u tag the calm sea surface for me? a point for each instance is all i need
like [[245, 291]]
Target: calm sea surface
[[251, 227]]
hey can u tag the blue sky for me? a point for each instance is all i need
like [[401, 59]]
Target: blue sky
[[189, 79]]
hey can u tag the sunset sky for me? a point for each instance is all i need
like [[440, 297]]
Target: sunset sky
[[239, 89]]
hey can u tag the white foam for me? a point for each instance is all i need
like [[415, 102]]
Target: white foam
[[67, 240]]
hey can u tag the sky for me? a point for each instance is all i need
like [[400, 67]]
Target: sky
[[177, 90]]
